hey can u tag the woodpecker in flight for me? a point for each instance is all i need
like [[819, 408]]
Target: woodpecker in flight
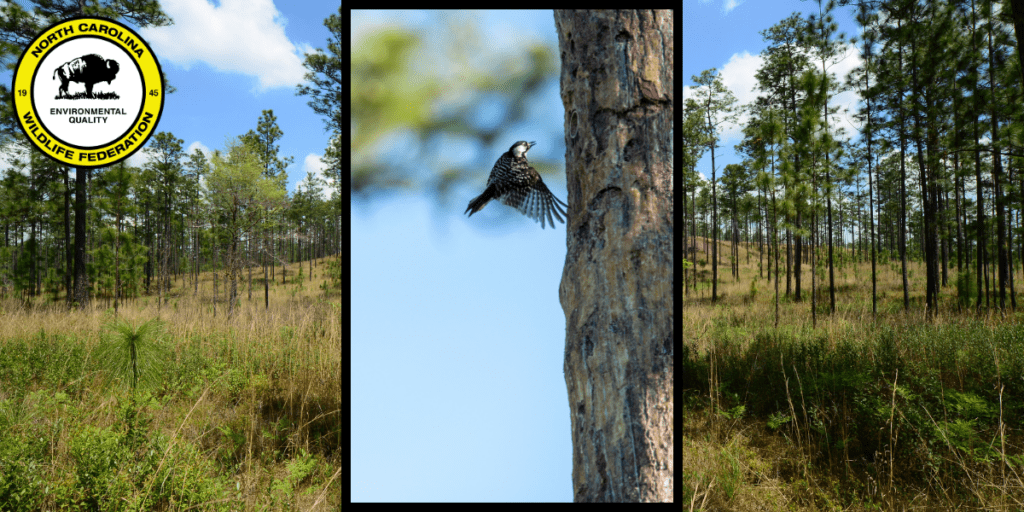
[[516, 184]]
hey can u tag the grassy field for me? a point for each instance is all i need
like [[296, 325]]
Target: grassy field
[[237, 412], [894, 412]]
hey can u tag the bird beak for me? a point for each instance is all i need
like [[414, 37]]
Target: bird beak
[[532, 144]]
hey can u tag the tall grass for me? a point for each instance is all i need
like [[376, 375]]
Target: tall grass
[[243, 414], [894, 412]]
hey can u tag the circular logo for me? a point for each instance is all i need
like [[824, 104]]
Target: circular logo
[[88, 92]]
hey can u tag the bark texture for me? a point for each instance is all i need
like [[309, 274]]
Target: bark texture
[[81, 276], [616, 290]]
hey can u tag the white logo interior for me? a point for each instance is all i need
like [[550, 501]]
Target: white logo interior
[[76, 116]]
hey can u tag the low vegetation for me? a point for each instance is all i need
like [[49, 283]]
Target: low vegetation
[[175, 406], [894, 412]]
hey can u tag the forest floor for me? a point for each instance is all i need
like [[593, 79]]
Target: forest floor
[[239, 412], [890, 412]]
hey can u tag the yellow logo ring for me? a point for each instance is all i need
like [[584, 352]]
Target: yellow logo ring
[[100, 148]]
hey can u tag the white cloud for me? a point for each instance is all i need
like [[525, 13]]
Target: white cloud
[[738, 74], [314, 164], [206, 151], [201, 147], [241, 36], [140, 157], [842, 67], [730, 5]]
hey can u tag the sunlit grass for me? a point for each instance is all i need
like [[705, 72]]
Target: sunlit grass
[[244, 414], [897, 411]]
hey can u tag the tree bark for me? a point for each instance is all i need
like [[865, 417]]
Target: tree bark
[[81, 277], [68, 251], [997, 179], [616, 290]]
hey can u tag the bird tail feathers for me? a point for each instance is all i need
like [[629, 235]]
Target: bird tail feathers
[[477, 204]]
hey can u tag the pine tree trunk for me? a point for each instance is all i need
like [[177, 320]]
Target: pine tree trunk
[[215, 272], [68, 249], [997, 178], [81, 277], [616, 288]]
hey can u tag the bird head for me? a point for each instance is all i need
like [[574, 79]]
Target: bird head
[[520, 148]]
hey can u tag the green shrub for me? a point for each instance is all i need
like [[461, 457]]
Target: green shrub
[[98, 453], [21, 474], [966, 289]]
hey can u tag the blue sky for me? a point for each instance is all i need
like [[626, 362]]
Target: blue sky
[[726, 34], [457, 334], [231, 60]]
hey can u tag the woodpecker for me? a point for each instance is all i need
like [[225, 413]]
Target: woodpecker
[[516, 184]]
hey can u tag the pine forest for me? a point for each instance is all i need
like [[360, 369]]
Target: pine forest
[[170, 325], [159, 227], [852, 338]]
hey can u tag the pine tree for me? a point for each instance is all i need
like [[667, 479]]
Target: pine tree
[[325, 77], [719, 106], [785, 60], [18, 27], [196, 167], [694, 144], [861, 78], [819, 35], [735, 182], [326, 99], [769, 134], [240, 195], [166, 153], [263, 143]]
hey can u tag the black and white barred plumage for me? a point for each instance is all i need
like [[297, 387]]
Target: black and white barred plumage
[[516, 184]]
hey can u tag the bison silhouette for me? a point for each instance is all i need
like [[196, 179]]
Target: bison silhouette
[[88, 70]]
